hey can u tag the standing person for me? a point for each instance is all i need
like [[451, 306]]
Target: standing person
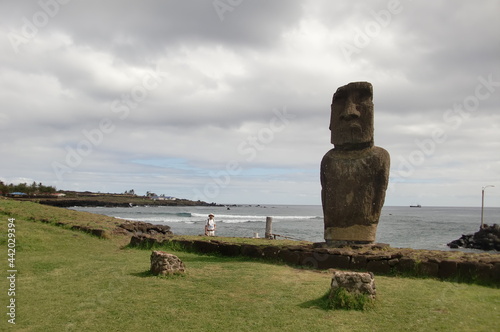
[[210, 225]]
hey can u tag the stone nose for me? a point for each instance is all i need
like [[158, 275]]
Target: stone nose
[[350, 111]]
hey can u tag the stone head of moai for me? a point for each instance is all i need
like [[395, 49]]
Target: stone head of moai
[[351, 120], [355, 173]]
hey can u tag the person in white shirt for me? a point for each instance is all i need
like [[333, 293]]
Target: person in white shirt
[[210, 225]]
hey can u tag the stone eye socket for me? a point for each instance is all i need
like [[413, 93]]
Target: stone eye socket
[[364, 95]]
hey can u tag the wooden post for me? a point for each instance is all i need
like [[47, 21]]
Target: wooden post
[[269, 228]]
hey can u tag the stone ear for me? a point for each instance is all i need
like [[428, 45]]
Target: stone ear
[[331, 110]]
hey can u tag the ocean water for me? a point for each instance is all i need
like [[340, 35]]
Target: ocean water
[[401, 227]]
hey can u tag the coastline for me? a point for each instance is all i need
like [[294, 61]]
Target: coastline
[[110, 200], [447, 265]]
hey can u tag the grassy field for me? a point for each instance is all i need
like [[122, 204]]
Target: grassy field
[[71, 281]]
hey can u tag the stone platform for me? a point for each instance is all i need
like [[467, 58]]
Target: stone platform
[[447, 265]]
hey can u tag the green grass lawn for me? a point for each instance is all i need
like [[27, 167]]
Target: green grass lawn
[[71, 281]]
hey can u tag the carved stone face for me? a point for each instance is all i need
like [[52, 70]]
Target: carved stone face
[[351, 119]]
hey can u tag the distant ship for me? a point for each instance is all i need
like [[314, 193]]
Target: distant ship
[[418, 205]]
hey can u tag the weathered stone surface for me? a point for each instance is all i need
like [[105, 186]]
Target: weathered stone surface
[[393, 262], [163, 263], [143, 241], [94, 231], [358, 262], [338, 262], [484, 272], [290, 257], [428, 268], [207, 247], [228, 249], [314, 259], [185, 244], [378, 257], [354, 174], [467, 270], [271, 252], [487, 238], [447, 269], [308, 259], [139, 227], [407, 265], [250, 250], [495, 273], [354, 282], [380, 266]]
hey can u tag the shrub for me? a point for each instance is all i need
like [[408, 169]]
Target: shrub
[[340, 298]]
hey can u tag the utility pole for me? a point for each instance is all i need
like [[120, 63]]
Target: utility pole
[[482, 203]]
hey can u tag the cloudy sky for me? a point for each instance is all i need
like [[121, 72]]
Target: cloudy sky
[[228, 101]]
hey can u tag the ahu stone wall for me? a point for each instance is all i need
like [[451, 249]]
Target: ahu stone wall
[[447, 265]]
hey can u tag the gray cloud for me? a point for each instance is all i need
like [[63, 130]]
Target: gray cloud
[[166, 96]]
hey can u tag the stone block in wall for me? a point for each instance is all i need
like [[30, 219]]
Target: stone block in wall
[[271, 252], [378, 257], [467, 270], [495, 273], [378, 266], [393, 262], [336, 251], [476, 271], [206, 247], [406, 265], [135, 241], [163, 263], [336, 262], [358, 262], [250, 250], [484, 271], [296, 248], [429, 269], [228, 249], [320, 259], [307, 259], [447, 269], [143, 241], [185, 244], [289, 256]]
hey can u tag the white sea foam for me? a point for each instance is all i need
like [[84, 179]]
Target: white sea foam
[[425, 228]]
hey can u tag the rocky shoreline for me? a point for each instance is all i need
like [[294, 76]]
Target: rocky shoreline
[[487, 238]]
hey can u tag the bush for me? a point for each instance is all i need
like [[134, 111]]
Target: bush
[[340, 298]]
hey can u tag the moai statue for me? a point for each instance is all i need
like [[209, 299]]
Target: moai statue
[[354, 174]]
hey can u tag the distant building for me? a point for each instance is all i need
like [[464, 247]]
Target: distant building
[[18, 194], [163, 198]]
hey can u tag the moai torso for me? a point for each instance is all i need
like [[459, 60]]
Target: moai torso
[[354, 174]]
